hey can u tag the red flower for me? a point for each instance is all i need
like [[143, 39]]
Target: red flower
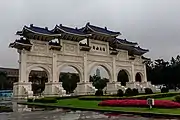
[[139, 103]]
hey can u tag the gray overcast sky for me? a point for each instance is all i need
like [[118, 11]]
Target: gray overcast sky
[[154, 24]]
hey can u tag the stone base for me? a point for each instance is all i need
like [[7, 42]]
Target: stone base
[[22, 90], [131, 85], [85, 88], [111, 88], [54, 89]]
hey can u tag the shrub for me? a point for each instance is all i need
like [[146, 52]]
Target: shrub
[[46, 100], [128, 92], [140, 103], [177, 98], [30, 100], [99, 93], [164, 90], [135, 91], [120, 93], [148, 91]]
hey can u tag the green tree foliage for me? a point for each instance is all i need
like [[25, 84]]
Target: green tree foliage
[[38, 83], [69, 82], [3, 80], [164, 72], [98, 82]]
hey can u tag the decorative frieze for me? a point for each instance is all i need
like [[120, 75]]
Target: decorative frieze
[[70, 48], [39, 59], [99, 58], [70, 58]]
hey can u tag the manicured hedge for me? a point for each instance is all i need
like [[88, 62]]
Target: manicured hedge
[[158, 95], [57, 98], [43, 100], [177, 98]]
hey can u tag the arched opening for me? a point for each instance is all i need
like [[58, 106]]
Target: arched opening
[[138, 77], [99, 77], [123, 77], [38, 77], [69, 76]]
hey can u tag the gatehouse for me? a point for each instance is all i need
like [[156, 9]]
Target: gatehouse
[[81, 48]]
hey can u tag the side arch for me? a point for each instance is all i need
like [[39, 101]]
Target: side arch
[[137, 75], [44, 67], [107, 67], [74, 65], [128, 72]]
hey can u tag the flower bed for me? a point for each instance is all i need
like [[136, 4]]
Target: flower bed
[[139, 103]]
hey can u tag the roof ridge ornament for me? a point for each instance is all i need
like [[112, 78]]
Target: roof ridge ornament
[[31, 25], [88, 23], [46, 28], [60, 25], [105, 28]]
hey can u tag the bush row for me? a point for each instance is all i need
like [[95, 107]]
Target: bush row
[[158, 95], [51, 99], [43, 100], [128, 92]]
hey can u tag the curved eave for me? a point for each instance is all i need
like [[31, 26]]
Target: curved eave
[[35, 32], [95, 31], [19, 45], [140, 51], [67, 32], [146, 59], [127, 44], [124, 41]]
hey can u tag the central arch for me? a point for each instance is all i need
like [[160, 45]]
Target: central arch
[[44, 67], [73, 65], [105, 66]]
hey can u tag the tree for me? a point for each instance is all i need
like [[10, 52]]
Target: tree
[[69, 82], [3, 80], [164, 72], [99, 83]]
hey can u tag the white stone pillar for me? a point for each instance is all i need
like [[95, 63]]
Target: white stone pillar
[[22, 66], [133, 73], [114, 70], [86, 79], [55, 77], [145, 74]]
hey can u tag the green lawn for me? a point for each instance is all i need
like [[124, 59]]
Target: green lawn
[[166, 98], [94, 105], [85, 104]]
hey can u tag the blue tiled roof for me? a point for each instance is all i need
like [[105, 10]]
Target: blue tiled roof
[[141, 49], [135, 50], [39, 29], [125, 41], [71, 30], [100, 29]]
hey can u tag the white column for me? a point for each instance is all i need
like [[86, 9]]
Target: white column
[[145, 74], [86, 79], [22, 67], [55, 77], [133, 73], [114, 70]]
